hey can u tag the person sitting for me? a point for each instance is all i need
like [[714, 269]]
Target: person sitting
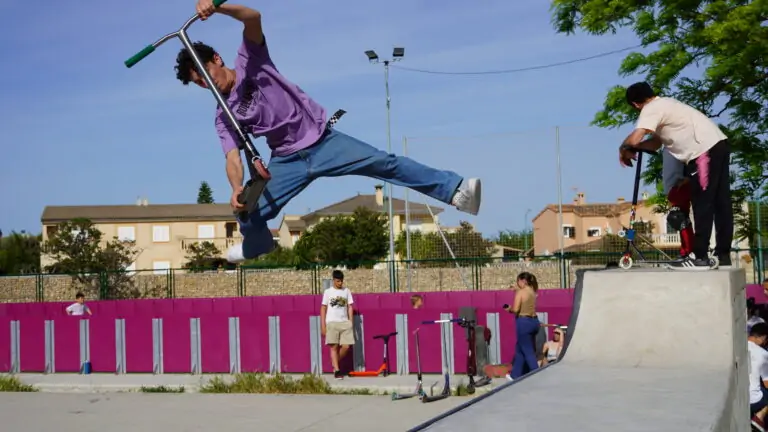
[[758, 374]]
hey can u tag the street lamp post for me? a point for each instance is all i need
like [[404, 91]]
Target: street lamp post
[[560, 235], [397, 55], [525, 230]]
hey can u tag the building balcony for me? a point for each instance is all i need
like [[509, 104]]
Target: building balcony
[[666, 239], [222, 243]]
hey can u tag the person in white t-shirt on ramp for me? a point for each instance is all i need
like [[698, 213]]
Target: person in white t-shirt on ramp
[[336, 314], [758, 374], [692, 138]]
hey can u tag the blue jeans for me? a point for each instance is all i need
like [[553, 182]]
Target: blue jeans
[[525, 348], [335, 155]]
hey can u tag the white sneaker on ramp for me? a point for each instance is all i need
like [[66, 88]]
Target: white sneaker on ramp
[[235, 254], [467, 198]]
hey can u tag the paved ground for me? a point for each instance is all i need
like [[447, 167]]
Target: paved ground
[[103, 402], [131, 412]]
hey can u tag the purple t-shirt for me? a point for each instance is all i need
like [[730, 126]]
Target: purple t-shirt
[[266, 104]]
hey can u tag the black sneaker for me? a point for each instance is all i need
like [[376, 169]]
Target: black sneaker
[[724, 261], [338, 375], [690, 264]]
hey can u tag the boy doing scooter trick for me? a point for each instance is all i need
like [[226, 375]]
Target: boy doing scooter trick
[[304, 144]]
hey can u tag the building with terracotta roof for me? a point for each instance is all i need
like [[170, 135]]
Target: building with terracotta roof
[[293, 226], [164, 232], [585, 224]]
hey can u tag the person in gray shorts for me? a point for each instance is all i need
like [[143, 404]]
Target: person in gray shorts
[[336, 314]]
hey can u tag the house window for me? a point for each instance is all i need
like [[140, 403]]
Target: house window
[[131, 268], [126, 233], [569, 231], [161, 233], [415, 227], [161, 267], [594, 232], [294, 237], [51, 230], [206, 231], [231, 227]]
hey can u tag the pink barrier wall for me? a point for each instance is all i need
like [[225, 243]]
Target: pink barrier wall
[[378, 312]]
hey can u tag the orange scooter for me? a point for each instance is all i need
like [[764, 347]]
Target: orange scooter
[[384, 369]]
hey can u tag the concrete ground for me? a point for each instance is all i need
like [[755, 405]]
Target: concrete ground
[[130, 412], [99, 402]]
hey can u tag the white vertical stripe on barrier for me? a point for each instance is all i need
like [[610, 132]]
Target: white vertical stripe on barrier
[[402, 343], [316, 346], [120, 366], [195, 354], [446, 341], [275, 359], [492, 322], [358, 349], [157, 345], [234, 345], [15, 347], [50, 356]]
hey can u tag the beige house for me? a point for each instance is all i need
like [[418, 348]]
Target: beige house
[[162, 232], [585, 223], [293, 226]]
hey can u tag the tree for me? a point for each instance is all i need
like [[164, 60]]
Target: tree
[[203, 256], [725, 38], [279, 257], [205, 193], [522, 240], [20, 253], [76, 249], [360, 238], [429, 247]]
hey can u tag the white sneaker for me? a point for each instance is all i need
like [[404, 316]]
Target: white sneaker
[[467, 198], [509, 377], [235, 254]]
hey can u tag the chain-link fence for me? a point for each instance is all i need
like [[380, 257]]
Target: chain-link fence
[[485, 273]]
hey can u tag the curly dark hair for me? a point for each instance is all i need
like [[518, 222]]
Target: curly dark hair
[[185, 64], [530, 279]]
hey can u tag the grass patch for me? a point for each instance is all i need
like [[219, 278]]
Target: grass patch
[[161, 389], [12, 384], [277, 384]]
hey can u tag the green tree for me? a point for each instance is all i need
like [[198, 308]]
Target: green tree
[[79, 249], [353, 240], [202, 256], [709, 54], [279, 257], [20, 253], [522, 240], [465, 243], [205, 193]]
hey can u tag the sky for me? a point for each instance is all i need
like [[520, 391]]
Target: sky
[[79, 128]]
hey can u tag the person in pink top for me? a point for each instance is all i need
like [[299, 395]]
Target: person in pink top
[[304, 146]]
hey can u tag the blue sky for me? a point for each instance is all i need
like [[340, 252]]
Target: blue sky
[[78, 127]]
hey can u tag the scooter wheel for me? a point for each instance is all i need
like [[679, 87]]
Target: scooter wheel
[[626, 262], [261, 169], [622, 233], [713, 262]]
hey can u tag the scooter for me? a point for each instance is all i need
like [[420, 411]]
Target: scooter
[[627, 261], [384, 368], [259, 173], [419, 385]]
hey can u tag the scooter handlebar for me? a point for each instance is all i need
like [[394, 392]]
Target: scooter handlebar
[[149, 49]]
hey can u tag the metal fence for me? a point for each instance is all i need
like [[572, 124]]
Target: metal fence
[[464, 274]]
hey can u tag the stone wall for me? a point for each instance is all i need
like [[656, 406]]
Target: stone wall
[[255, 282]]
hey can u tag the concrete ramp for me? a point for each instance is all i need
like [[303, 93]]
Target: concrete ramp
[[647, 350]]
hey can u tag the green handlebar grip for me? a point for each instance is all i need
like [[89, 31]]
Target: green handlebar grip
[[217, 3], [139, 55]]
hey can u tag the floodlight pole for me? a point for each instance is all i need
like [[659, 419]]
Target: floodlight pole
[[397, 54]]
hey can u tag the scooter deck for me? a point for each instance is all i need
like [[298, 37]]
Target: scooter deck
[[250, 195]]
